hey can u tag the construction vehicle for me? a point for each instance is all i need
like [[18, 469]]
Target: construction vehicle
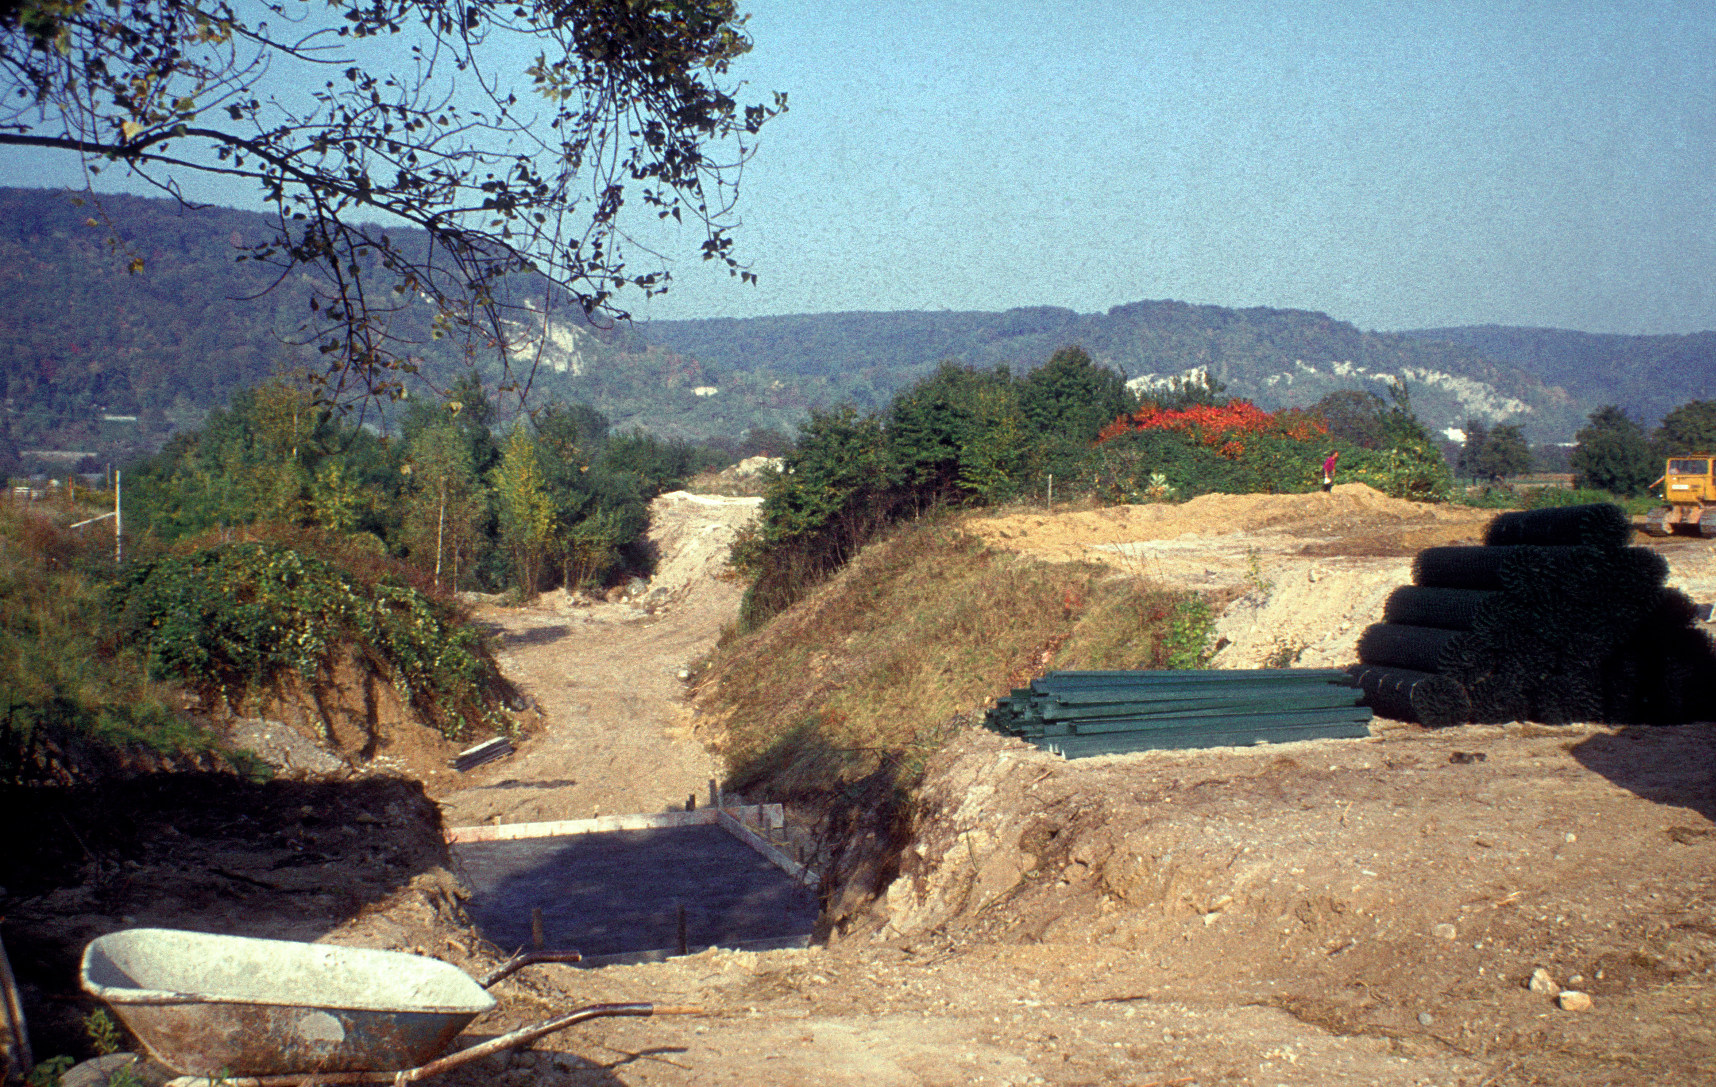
[[1690, 488]]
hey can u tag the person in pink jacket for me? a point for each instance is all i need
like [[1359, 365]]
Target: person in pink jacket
[[1329, 469]]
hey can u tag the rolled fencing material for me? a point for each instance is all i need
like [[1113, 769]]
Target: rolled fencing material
[[1601, 524], [1561, 624], [1420, 649], [1458, 567], [1405, 695], [1444, 609]]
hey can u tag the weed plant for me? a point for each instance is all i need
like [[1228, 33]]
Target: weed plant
[[230, 620], [73, 698]]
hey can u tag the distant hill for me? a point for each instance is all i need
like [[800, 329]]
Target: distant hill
[[1277, 357], [94, 357], [1646, 375]]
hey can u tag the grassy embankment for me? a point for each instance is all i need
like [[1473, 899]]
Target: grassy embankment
[[99, 667], [836, 704], [74, 699]]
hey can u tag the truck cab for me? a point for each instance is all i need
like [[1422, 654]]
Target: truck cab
[[1690, 489]]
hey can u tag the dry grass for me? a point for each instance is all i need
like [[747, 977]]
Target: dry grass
[[837, 703]]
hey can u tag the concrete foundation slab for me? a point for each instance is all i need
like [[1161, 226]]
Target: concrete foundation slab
[[618, 893]]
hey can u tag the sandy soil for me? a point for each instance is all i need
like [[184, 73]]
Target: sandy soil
[[608, 680], [1310, 571]]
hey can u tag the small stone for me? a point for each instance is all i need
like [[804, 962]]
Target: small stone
[[1425, 1019], [1572, 1000], [1541, 982], [1571, 837], [1445, 931]]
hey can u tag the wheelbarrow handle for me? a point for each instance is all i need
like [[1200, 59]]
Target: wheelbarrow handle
[[528, 958], [523, 1036]]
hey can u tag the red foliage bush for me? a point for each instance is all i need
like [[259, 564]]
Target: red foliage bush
[[1223, 428]]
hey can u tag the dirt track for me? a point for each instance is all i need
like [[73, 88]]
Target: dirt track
[[606, 678]]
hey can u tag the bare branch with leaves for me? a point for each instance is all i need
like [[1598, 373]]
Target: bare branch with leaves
[[526, 140]]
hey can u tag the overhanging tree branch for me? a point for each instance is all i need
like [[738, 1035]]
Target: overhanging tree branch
[[406, 108]]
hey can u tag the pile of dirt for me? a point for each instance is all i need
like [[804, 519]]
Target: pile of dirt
[[1407, 886], [359, 722], [692, 535], [1353, 519]]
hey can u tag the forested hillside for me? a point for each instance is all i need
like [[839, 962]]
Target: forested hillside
[[1646, 375], [123, 322], [1279, 358], [86, 334]]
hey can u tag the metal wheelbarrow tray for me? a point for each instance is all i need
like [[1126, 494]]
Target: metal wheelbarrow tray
[[262, 1011]]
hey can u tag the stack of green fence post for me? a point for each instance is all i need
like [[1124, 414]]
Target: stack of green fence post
[[1078, 714]]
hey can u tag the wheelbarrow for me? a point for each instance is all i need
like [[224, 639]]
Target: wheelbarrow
[[271, 1013]]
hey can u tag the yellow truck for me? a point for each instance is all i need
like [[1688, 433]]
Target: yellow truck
[[1690, 488]]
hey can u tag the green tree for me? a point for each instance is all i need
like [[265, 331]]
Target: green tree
[[491, 139], [1507, 453], [1494, 454], [957, 431], [445, 513], [1407, 462], [1353, 415], [834, 483], [1690, 428], [336, 499], [600, 509], [1611, 453], [1472, 451], [525, 508], [1072, 396]]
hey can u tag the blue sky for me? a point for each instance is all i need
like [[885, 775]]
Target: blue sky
[[1395, 165]]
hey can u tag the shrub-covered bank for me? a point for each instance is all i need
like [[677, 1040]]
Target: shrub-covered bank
[[231, 621], [75, 700]]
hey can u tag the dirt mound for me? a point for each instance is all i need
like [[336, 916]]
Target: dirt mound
[[1352, 519], [1406, 886], [692, 534], [1299, 576]]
